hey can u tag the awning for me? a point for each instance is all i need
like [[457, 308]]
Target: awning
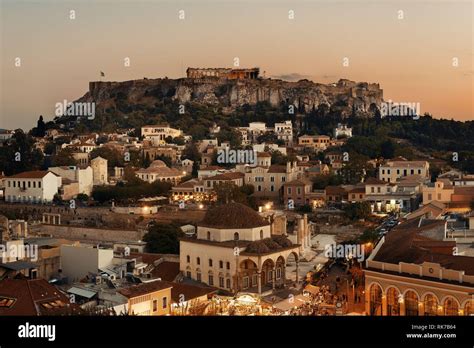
[[82, 292]]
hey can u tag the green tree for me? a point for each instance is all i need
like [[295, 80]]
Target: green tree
[[63, 158], [114, 157], [163, 238]]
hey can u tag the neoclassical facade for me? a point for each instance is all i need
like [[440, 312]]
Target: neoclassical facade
[[411, 273], [235, 251]]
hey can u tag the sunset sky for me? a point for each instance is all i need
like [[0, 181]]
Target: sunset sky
[[411, 58]]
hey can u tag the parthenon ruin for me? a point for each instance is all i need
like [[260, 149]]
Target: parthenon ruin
[[227, 73]]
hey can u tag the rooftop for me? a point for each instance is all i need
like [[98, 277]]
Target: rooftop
[[232, 215]]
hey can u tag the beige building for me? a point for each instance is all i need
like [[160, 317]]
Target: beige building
[[151, 298], [315, 142], [99, 171], [158, 171], [414, 272], [269, 180], [440, 191], [396, 169], [158, 134], [235, 251]]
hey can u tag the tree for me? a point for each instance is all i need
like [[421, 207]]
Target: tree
[[163, 238], [387, 149], [358, 210], [113, 157], [63, 158], [19, 154], [40, 129], [191, 152]]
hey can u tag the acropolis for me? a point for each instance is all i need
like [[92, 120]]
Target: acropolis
[[226, 73]]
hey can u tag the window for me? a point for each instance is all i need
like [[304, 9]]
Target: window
[[198, 276], [419, 171], [188, 259], [254, 279], [188, 274], [198, 261], [221, 264], [165, 302], [155, 305], [372, 189], [289, 190], [272, 179], [261, 234], [221, 282], [236, 236], [210, 262], [278, 275], [208, 235], [211, 280], [298, 190], [383, 171], [430, 197], [245, 282], [272, 188], [39, 184], [227, 265], [378, 189], [283, 179], [227, 283]]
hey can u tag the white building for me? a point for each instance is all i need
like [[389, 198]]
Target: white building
[[157, 134], [284, 131], [342, 131], [99, 171], [34, 187], [77, 261], [83, 176]]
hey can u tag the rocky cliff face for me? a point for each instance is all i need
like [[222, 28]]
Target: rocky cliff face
[[305, 95]]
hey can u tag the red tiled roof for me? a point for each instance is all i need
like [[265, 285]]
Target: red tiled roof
[[232, 215], [32, 297], [166, 270], [406, 243], [374, 181], [144, 288], [35, 174], [275, 168], [227, 176], [189, 292]]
